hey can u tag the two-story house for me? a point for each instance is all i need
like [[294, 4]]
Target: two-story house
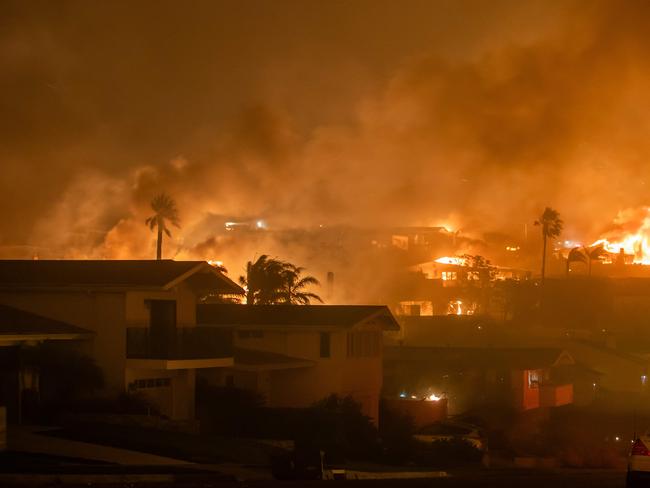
[[296, 355], [142, 315]]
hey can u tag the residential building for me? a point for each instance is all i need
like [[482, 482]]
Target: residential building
[[470, 377], [18, 328], [141, 316], [296, 355]]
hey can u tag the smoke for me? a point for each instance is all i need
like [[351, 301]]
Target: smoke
[[360, 114]]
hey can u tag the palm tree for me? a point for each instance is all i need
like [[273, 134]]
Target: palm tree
[[165, 210], [264, 280], [294, 284], [576, 255], [551, 225], [271, 281]]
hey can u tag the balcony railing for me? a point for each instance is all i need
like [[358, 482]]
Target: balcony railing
[[180, 343]]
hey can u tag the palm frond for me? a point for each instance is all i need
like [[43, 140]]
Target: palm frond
[[306, 281]]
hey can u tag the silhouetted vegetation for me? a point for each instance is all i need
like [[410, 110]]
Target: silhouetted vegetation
[[66, 375], [551, 226], [337, 427], [396, 430], [164, 208], [227, 411], [271, 281]]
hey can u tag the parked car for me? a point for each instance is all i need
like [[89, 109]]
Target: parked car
[[638, 464], [447, 430]]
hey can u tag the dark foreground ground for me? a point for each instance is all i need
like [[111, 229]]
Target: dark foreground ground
[[500, 478]]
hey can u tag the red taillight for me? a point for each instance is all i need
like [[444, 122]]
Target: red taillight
[[639, 449]]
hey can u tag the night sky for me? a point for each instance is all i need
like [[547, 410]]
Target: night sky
[[473, 114]]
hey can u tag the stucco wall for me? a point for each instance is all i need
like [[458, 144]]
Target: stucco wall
[[100, 312], [360, 378]]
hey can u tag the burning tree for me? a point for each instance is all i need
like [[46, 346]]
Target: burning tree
[[165, 210]]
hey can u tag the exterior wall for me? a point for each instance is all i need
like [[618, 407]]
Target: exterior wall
[[100, 312], [175, 400], [137, 311], [555, 395], [359, 377]]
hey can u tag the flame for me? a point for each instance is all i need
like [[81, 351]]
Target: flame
[[455, 260], [631, 235]]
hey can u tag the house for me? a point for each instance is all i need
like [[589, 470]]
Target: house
[[296, 355], [141, 316], [470, 377], [18, 328]]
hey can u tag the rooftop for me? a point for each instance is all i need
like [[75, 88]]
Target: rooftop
[[16, 322], [318, 316], [21, 274], [481, 357], [252, 360]]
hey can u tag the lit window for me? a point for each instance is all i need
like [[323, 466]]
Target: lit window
[[533, 379]]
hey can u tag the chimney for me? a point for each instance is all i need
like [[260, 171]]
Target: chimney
[[330, 286]]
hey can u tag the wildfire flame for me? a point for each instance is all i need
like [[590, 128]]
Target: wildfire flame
[[631, 235], [455, 260]]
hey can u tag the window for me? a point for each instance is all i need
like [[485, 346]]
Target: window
[[449, 275], [364, 344], [534, 378], [162, 314], [324, 344]]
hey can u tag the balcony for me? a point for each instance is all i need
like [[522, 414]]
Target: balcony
[[182, 348]]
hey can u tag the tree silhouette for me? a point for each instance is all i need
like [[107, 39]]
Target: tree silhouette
[[264, 280], [294, 285], [164, 208], [271, 281], [551, 226]]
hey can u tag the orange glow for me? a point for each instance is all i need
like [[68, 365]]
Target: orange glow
[[455, 260], [631, 235]]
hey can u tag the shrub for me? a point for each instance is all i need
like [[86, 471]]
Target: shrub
[[337, 426], [447, 453], [396, 430], [227, 411]]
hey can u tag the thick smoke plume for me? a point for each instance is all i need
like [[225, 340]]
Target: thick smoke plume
[[364, 114]]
